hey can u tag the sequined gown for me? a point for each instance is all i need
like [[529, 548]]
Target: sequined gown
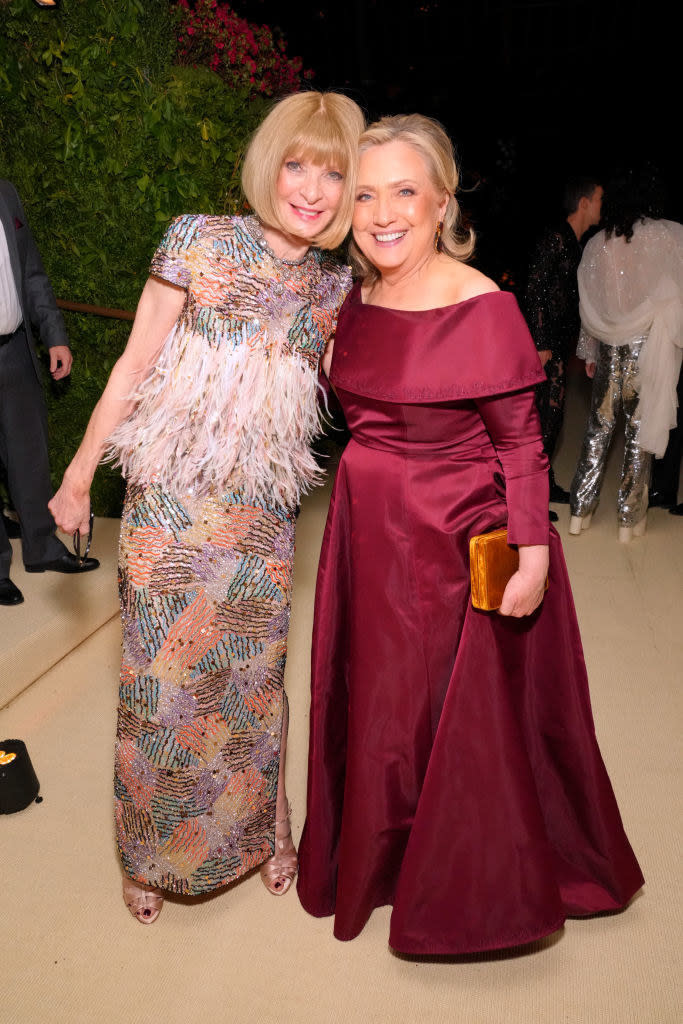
[[453, 766], [216, 454]]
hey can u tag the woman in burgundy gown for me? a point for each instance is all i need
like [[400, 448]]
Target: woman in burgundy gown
[[453, 768]]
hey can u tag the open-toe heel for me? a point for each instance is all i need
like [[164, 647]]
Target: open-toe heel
[[279, 871], [143, 901]]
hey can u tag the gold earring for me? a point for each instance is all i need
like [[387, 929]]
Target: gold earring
[[437, 236]]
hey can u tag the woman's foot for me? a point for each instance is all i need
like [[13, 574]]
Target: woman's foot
[[579, 523], [143, 901], [279, 871]]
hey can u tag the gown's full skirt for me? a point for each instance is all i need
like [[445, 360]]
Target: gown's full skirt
[[454, 770]]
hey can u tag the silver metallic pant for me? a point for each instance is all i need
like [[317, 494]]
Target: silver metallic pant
[[614, 385]]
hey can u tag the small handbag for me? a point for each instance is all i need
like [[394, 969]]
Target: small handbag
[[492, 562]]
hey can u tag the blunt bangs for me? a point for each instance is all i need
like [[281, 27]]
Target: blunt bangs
[[322, 128], [323, 146]]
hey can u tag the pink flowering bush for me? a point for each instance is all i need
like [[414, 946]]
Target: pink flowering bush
[[243, 54]]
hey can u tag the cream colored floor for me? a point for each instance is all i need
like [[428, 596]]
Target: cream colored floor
[[58, 613], [71, 953]]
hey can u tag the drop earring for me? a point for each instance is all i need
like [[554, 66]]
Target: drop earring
[[437, 236]]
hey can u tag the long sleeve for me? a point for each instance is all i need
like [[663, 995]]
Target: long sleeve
[[513, 425], [587, 347], [42, 309], [551, 299]]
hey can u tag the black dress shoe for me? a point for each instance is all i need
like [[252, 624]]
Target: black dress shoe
[[558, 494], [677, 510], [65, 563], [12, 528], [552, 516], [661, 499], [9, 594]]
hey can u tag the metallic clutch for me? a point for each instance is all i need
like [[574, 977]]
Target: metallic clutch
[[492, 563]]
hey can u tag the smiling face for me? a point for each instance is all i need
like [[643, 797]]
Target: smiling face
[[397, 208], [308, 196]]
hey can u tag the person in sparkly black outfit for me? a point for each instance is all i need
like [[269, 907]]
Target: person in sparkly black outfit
[[551, 306]]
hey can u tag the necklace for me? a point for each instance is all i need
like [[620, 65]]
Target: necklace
[[255, 229]]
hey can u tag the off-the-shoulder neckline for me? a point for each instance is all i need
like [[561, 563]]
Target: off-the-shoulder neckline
[[431, 309]]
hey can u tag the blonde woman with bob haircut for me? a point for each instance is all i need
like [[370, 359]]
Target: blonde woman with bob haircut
[[319, 128], [459, 778], [211, 411]]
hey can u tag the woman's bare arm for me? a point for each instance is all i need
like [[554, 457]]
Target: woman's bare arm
[[159, 307]]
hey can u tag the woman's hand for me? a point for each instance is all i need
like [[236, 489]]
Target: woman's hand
[[526, 588], [70, 506], [158, 310]]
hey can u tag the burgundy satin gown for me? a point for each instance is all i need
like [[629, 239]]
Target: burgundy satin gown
[[453, 767]]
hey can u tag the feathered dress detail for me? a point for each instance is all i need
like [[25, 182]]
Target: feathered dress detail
[[231, 401], [216, 453]]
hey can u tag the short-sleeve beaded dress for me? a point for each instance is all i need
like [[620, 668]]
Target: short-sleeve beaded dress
[[216, 454], [453, 766]]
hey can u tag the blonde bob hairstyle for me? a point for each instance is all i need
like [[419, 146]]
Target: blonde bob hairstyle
[[429, 139], [320, 127]]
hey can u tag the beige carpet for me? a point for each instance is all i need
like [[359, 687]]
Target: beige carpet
[[71, 952], [58, 613]]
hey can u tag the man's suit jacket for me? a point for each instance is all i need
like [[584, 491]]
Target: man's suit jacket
[[36, 297]]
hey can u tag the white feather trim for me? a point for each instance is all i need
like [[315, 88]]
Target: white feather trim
[[214, 418]]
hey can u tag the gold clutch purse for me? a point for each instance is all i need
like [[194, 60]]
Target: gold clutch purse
[[492, 563]]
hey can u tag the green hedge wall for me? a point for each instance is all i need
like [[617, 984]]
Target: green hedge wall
[[105, 141]]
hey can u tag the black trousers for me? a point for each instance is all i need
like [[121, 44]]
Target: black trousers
[[550, 397], [666, 472], [24, 455]]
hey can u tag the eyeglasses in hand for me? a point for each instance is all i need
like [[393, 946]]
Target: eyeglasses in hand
[[77, 541]]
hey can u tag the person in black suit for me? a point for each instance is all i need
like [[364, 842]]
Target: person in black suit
[[26, 299]]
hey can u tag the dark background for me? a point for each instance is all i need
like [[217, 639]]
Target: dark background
[[530, 92]]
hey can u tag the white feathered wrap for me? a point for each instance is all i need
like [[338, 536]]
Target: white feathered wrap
[[630, 290]]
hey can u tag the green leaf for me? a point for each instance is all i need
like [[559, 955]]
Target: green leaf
[[113, 127]]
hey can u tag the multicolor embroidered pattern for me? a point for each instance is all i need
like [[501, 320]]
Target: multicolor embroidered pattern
[[205, 589], [216, 453]]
